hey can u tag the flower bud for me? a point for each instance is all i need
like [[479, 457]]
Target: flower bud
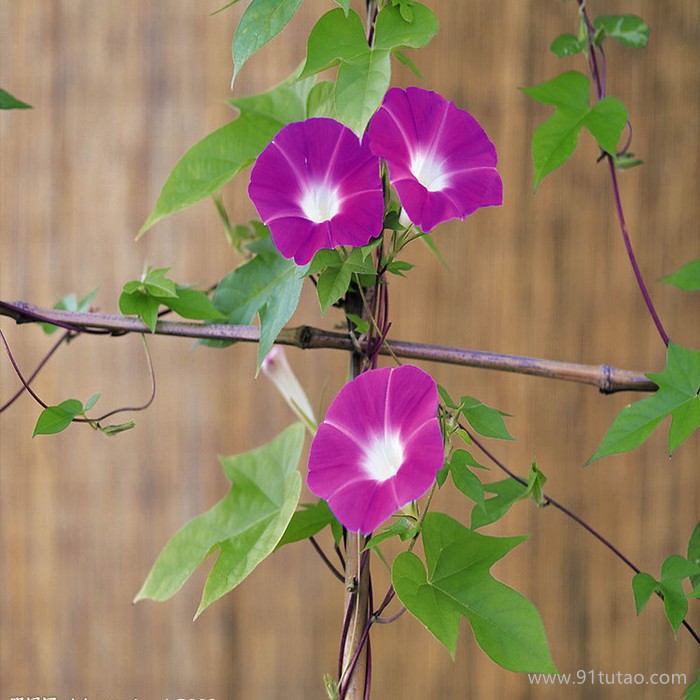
[[276, 368]]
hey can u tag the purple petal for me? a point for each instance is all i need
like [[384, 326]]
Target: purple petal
[[440, 159], [379, 447], [418, 471], [330, 454], [412, 400], [299, 238], [367, 391], [317, 186], [364, 506]]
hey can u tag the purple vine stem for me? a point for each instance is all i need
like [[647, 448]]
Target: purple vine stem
[[549, 501], [600, 87]]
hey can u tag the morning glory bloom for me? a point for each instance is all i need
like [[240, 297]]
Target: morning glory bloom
[[379, 446], [440, 160], [317, 186]]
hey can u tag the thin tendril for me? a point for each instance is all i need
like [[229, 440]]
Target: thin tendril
[[152, 396], [18, 372], [67, 336]]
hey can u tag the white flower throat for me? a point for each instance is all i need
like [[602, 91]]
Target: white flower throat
[[384, 456], [320, 202], [429, 171]]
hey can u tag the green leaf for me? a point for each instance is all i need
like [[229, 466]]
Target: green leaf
[[673, 571], [393, 30], [629, 30], [54, 419], [338, 39], [268, 285], [554, 142], [644, 586], [245, 526], [321, 100], [430, 244], [284, 103], [306, 523], [485, 420], [157, 284], [508, 491], [535, 484], [329, 682], [570, 89], [361, 326], [195, 304], [212, 162], [404, 528], [406, 8], [334, 38], [112, 430], [677, 396], [626, 161], [567, 45], [446, 398], [459, 583], [398, 267], [694, 553], [144, 297], [401, 57], [8, 101], [140, 303], [262, 21], [463, 478], [686, 277], [555, 139], [359, 260], [433, 609], [90, 402], [332, 284], [605, 121], [364, 75], [361, 86], [69, 303], [692, 692], [336, 274]]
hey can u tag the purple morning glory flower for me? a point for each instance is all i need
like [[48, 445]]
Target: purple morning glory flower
[[379, 446], [440, 160], [317, 186]]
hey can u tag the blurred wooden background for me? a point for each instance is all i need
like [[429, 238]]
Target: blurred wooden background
[[120, 91]]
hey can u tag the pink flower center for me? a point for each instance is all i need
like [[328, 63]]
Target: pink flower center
[[320, 202], [384, 456], [429, 171]]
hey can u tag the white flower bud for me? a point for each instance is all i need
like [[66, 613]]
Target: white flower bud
[[276, 368]]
